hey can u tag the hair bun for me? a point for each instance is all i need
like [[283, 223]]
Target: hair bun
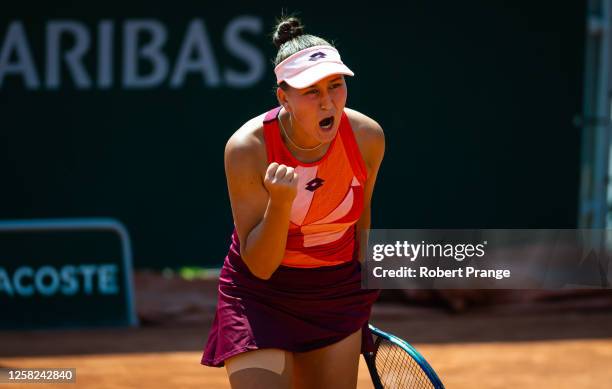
[[287, 29]]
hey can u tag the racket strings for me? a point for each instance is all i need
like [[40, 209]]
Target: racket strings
[[397, 369]]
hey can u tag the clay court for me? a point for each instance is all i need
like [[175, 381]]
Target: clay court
[[543, 340]]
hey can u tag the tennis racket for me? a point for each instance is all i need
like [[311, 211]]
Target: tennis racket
[[395, 364]]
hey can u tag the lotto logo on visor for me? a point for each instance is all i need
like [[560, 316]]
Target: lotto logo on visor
[[308, 66], [317, 55]]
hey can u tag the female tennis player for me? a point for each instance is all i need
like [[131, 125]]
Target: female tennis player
[[291, 311]]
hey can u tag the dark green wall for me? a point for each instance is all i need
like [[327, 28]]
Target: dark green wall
[[476, 98]]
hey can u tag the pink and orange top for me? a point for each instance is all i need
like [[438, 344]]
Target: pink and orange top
[[329, 200]]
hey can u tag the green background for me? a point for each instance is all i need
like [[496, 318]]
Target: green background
[[476, 99]]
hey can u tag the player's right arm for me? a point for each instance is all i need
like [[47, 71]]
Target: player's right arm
[[261, 196]]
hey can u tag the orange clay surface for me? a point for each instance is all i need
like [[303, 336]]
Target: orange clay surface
[[544, 345]]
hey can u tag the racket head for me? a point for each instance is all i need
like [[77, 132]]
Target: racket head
[[417, 373]]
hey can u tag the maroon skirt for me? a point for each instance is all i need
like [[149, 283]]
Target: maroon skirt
[[295, 310]]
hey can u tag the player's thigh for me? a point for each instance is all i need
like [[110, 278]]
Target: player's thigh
[[264, 368], [334, 366]]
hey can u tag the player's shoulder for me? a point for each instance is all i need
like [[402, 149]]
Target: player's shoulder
[[364, 126], [247, 143], [368, 133]]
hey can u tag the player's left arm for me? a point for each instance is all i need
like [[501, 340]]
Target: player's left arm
[[371, 140]]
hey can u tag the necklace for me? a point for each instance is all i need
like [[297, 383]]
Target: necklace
[[292, 142]]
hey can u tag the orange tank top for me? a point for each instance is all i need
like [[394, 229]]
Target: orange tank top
[[329, 199]]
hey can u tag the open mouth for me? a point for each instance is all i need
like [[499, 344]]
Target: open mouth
[[327, 123]]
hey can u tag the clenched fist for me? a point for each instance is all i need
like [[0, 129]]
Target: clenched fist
[[281, 182]]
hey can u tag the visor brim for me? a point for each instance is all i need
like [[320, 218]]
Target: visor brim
[[316, 73]]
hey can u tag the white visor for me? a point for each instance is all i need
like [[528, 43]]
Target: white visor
[[310, 65]]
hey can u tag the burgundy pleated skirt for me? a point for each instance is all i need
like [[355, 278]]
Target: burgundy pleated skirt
[[295, 310]]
